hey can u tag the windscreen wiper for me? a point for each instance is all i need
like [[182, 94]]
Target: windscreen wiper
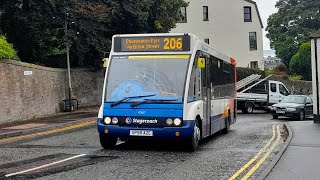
[[151, 100], [130, 97]]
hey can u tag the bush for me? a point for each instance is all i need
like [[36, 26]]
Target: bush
[[295, 78], [245, 72], [300, 63], [280, 68], [6, 49]]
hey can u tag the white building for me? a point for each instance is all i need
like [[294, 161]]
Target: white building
[[271, 62], [233, 27]]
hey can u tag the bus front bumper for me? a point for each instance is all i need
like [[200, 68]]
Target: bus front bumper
[[159, 133]]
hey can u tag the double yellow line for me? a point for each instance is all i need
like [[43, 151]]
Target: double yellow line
[[75, 126], [265, 149]]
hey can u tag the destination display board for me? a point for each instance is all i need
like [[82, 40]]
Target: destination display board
[[152, 43]]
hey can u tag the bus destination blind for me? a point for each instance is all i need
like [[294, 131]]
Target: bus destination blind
[[152, 44]]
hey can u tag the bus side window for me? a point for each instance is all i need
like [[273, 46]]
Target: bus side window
[[194, 92]]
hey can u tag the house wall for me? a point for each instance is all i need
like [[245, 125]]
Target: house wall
[[226, 29]]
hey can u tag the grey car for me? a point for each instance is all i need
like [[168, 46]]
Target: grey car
[[293, 106]]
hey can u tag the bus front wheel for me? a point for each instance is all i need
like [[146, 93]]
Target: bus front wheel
[[194, 143], [108, 142]]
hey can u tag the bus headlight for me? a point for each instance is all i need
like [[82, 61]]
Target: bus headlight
[[169, 122], [107, 120], [115, 120], [177, 121]]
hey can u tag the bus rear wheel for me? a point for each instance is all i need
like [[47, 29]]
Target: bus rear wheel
[[108, 142], [193, 144], [227, 124]]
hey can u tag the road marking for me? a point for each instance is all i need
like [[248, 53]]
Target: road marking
[[83, 124], [255, 157], [46, 165], [255, 167]]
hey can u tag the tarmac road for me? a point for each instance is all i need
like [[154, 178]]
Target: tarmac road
[[77, 154]]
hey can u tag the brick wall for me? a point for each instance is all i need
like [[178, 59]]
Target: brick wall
[[27, 96]]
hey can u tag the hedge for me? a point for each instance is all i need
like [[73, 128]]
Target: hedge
[[245, 72], [6, 49]]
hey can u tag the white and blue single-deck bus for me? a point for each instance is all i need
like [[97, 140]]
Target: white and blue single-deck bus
[[170, 87]]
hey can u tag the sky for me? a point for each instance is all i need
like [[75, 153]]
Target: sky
[[266, 8]]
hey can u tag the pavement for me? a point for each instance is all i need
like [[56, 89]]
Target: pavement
[[59, 120], [301, 159]]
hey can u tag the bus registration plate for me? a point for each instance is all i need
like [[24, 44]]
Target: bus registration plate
[[141, 133]]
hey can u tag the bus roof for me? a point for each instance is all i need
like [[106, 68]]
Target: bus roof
[[170, 43]]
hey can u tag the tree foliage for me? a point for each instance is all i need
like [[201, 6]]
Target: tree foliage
[[292, 25], [300, 63], [6, 49], [36, 28]]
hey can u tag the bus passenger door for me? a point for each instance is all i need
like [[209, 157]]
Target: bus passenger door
[[206, 96]]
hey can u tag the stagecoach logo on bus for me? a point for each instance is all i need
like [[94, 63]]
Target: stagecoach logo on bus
[[141, 121], [128, 120]]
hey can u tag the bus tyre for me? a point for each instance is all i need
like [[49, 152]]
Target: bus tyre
[[108, 142], [249, 108], [194, 143], [227, 126]]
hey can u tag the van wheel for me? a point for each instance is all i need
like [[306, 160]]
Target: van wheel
[[249, 108], [107, 142], [227, 124], [194, 142]]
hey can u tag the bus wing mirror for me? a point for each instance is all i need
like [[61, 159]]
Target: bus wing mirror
[[105, 62], [201, 62]]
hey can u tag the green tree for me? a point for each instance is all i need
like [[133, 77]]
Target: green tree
[[300, 63], [33, 27], [37, 27], [6, 49], [292, 25]]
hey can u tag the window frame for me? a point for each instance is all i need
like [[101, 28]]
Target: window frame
[[205, 14], [309, 98], [281, 87], [185, 15], [255, 66], [245, 13], [207, 40], [255, 41], [275, 87]]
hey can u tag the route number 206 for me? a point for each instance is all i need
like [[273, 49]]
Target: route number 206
[[172, 43]]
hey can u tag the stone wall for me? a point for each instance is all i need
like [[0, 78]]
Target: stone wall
[[294, 86], [87, 86], [41, 93]]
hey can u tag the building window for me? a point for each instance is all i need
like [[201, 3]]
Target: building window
[[253, 40], [247, 14], [206, 40], [254, 64], [205, 13], [183, 15]]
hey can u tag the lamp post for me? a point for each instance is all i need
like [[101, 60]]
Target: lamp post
[[68, 57]]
